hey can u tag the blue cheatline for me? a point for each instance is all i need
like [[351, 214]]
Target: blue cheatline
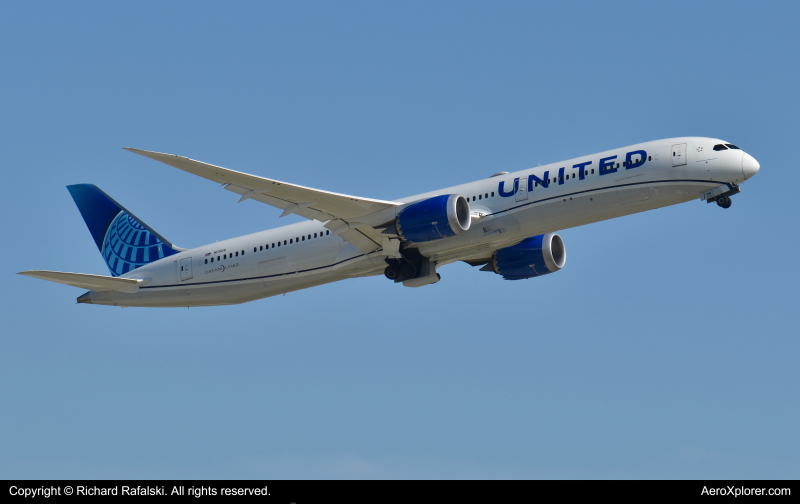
[[125, 242]]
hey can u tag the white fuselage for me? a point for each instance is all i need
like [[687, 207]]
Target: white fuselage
[[306, 254]]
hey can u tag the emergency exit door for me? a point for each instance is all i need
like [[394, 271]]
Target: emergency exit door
[[678, 154], [186, 269]]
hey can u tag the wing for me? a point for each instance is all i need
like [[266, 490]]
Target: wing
[[97, 283], [351, 217], [304, 201]]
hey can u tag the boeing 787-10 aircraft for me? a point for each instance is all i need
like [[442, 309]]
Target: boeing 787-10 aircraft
[[505, 223]]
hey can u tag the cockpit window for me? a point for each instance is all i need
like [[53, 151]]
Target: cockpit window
[[720, 147], [731, 146]]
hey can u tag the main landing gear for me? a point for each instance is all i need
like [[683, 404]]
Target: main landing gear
[[724, 201], [406, 267]]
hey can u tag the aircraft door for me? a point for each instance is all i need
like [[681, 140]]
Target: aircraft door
[[186, 269], [522, 191], [678, 154]]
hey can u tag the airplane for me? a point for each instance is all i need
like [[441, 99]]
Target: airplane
[[505, 223]]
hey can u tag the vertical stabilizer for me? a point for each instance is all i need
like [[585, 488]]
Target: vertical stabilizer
[[125, 242]]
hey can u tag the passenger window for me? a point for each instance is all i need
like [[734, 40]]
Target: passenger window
[[206, 261], [592, 170], [649, 158], [731, 146], [536, 184], [327, 232], [573, 175], [716, 147], [284, 242], [486, 195], [473, 198], [290, 240], [492, 194], [304, 238], [479, 197], [217, 258], [315, 235], [242, 252], [273, 245], [237, 253]]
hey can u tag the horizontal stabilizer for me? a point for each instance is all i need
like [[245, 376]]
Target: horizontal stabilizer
[[97, 283]]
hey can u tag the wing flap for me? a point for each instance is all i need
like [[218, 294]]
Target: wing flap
[[360, 240], [97, 283]]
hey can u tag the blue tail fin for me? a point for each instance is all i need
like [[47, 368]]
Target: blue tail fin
[[125, 242]]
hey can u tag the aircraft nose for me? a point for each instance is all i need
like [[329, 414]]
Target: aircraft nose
[[749, 166]]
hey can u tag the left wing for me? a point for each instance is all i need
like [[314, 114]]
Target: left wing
[[351, 217]]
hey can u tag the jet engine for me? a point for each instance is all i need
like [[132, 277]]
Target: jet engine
[[532, 257], [434, 218]]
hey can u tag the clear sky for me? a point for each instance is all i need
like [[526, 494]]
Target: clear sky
[[667, 347]]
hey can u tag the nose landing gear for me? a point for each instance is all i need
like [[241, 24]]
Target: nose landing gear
[[722, 195]]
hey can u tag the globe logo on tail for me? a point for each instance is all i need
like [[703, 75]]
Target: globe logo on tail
[[129, 245]]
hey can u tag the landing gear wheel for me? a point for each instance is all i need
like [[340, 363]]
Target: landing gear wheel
[[408, 271], [392, 272], [724, 201]]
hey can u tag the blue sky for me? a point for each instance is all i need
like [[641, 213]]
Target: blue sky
[[666, 348]]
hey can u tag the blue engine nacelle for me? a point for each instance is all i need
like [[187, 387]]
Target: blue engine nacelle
[[434, 218], [530, 258]]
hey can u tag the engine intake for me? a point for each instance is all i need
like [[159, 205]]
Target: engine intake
[[530, 258], [434, 218]]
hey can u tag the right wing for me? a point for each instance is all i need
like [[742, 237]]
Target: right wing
[[304, 201], [353, 218]]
